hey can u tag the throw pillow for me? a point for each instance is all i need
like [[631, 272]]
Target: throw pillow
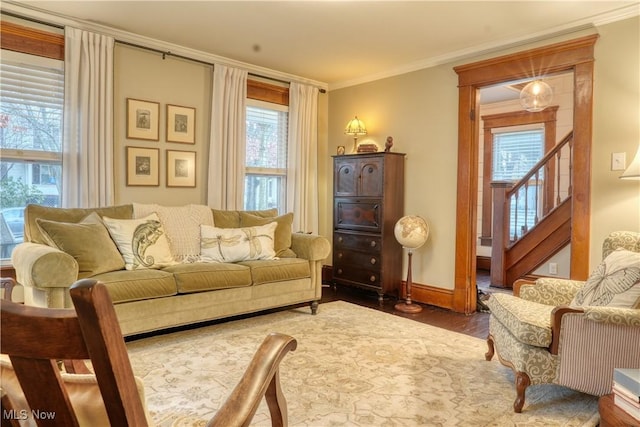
[[88, 242], [182, 225], [614, 283], [142, 242], [237, 244], [282, 242]]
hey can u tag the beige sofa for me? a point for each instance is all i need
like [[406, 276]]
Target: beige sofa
[[150, 299]]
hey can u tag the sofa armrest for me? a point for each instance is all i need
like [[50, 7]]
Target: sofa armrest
[[42, 266], [549, 291], [310, 246]]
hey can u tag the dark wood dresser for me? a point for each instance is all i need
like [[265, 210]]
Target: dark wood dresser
[[368, 200]]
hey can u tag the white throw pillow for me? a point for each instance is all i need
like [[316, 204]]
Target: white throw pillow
[[142, 242], [614, 283], [182, 225], [237, 244]]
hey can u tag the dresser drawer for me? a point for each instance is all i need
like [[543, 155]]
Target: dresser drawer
[[355, 275], [357, 241], [365, 215], [357, 259]]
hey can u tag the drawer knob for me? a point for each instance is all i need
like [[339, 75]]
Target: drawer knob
[[373, 244], [372, 278], [373, 261], [340, 239], [339, 254], [339, 271]]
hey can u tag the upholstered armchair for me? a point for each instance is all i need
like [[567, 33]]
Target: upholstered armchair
[[569, 332]]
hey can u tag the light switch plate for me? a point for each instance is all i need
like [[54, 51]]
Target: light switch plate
[[618, 161]]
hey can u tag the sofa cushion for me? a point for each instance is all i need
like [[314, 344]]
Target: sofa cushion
[[528, 321], [237, 244], [231, 219], [33, 234], [197, 277], [125, 286], [614, 283], [88, 242], [282, 242], [182, 225], [276, 270], [142, 242]]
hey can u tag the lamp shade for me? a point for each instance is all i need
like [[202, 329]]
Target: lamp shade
[[633, 171], [536, 96], [355, 127], [411, 231]]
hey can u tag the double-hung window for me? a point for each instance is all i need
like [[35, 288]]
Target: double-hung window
[[31, 106], [266, 156]]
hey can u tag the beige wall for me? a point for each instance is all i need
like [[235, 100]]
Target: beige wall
[[419, 110]]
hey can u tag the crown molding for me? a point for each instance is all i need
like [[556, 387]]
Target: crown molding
[[587, 24], [54, 19]]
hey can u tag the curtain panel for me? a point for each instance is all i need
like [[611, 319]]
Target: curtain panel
[[225, 183], [87, 154], [302, 182]]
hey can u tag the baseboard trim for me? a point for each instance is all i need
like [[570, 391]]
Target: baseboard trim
[[483, 263], [431, 295]]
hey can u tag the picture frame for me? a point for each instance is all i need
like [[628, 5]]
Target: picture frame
[[143, 119], [340, 151], [143, 166], [181, 124], [181, 168]]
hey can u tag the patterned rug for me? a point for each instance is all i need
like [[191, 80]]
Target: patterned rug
[[354, 366]]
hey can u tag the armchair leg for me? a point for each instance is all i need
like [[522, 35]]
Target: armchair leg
[[491, 351], [522, 382]]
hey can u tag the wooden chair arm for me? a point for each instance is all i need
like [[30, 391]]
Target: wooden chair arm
[[556, 319], [7, 283], [519, 283], [261, 378]]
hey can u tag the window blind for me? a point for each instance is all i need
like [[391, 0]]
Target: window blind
[[515, 153]]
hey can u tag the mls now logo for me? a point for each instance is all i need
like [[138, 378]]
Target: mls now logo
[[23, 414]]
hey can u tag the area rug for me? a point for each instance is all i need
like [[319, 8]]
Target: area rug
[[354, 366]]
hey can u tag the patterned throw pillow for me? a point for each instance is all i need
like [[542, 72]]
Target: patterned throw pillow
[[282, 244], [142, 242], [614, 283], [237, 244]]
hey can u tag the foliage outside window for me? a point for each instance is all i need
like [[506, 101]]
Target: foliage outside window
[[266, 156]]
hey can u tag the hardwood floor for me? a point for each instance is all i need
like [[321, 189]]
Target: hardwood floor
[[476, 325]]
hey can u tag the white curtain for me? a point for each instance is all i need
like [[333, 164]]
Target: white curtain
[[225, 189], [302, 182], [87, 153]]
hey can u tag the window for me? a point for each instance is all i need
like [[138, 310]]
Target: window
[[266, 156], [31, 106], [515, 154]]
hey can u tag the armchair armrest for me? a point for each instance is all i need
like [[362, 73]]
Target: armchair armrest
[[310, 246], [260, 379], [547, 290], [42, 266], [556, 322]]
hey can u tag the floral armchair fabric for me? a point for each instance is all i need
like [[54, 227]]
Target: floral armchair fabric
[[546, 337]]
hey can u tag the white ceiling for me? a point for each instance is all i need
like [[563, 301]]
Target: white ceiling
[[343, 42]]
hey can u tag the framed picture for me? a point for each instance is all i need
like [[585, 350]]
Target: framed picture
[[181, 124], [181, 168], [142, 166], [340, 150], [143, 121]]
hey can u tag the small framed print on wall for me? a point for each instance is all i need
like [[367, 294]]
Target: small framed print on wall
[[142, 166], [181, 168], [181, 124], [143, 119]]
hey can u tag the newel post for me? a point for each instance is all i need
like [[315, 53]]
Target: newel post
[[500, 232]]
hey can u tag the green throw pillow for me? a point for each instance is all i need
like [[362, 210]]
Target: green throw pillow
[[231, 219], [282, 244], [88, 242]]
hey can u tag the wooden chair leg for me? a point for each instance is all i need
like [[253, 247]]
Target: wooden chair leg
[[491, 351], [276, 402], [522, 382]]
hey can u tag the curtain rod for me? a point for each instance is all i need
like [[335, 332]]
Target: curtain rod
[[28, 18], [169, 53]]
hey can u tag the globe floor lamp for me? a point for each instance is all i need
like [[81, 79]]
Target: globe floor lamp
[[411, 232]]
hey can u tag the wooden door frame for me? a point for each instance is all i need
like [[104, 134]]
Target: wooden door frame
[[573, 55]]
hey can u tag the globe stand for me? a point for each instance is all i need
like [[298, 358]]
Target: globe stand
[[408, 306]]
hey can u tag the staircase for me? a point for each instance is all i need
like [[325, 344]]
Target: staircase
[[532, 217]]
